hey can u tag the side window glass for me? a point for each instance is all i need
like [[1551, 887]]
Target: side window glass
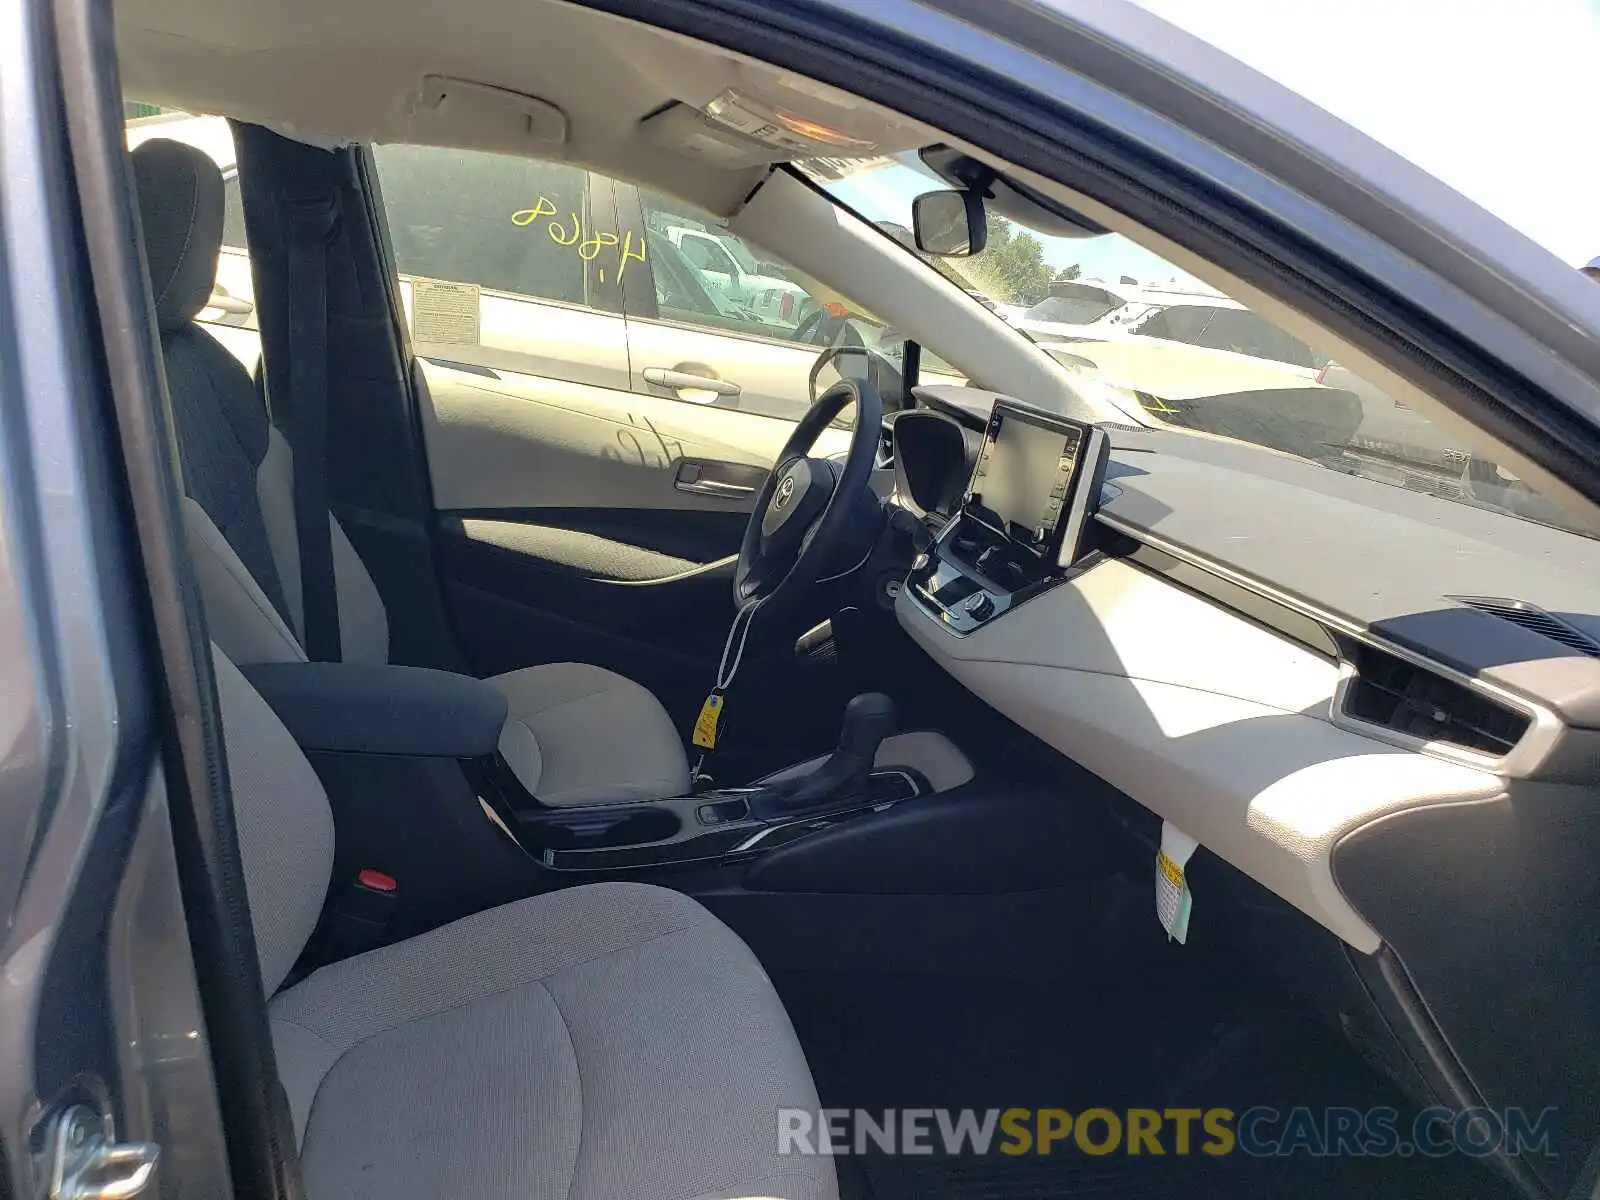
[[508, 263], [682, 292], [496, 221], [768, 320], [733, 286], [231, 314], [705, 255]]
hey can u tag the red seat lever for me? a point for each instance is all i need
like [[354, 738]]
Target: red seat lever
[[376, 881]]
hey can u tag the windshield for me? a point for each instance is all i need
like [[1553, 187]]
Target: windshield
[[1172, 352], [1236, 330], [1079, 306]]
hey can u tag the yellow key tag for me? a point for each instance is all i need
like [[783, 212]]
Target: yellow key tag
[[705, 725]]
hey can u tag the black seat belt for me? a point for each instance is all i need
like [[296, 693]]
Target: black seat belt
[[313, 221]]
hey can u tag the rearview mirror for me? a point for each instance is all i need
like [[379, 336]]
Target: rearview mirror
[[949, 224]]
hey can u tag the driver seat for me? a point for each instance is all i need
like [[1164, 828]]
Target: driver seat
[[576, 734]]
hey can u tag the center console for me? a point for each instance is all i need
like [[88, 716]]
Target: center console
[[409, 759], [1021, 524], [722, 824]]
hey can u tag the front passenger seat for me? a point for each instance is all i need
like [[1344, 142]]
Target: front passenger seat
[[607, 1042], [576, 734]]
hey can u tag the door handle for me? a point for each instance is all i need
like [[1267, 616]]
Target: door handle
[[729, 481], [715, 487], [697, 380]]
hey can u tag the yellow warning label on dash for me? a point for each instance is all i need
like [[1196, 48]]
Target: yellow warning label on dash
[[705, 725]]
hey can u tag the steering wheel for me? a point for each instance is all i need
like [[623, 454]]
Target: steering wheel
[[806, 508]]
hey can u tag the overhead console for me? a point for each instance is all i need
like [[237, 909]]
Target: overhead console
[[1022, 520]]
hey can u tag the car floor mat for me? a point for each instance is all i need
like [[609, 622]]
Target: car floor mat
[[1149, 1034]]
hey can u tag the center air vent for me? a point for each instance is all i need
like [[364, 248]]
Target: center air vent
[[1399, 695], [1532, 617]]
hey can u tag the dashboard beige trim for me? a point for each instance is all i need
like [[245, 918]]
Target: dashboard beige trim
[[1537, 746], [1206, 719]]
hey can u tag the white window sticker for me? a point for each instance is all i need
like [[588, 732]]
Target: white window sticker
[[444, 313]]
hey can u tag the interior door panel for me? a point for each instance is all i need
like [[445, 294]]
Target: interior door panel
[[571, 526], [522, 442]]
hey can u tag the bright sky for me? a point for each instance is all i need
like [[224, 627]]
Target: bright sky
[[1497, 98]]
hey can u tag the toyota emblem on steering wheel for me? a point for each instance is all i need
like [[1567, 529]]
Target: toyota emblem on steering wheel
[[785, 492]]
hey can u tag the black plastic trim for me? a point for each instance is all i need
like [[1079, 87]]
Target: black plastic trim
[[981, 838], [361, 708], [1490, 908]]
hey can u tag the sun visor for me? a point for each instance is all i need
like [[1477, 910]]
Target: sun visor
[[445, 105]]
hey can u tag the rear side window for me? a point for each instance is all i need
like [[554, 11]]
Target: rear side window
[[498, 221]]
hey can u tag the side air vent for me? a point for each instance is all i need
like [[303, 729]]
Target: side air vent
[[1531, 617], [1397, 694]]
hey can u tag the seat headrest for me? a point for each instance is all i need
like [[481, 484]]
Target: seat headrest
[[180, 206]]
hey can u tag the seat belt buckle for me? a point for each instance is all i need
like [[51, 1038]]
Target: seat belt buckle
[[361, 913]]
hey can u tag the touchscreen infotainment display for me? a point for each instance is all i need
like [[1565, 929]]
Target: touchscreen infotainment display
[[1025, 476]]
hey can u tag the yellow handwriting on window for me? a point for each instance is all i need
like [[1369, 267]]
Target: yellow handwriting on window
[[562, 236], [589, 249], [629, 253], [629, 247], [524, 217]]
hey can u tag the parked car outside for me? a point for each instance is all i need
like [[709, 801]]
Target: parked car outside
[[777, 301], [1076, 308]]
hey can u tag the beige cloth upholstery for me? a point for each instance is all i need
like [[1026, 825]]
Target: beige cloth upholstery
[[582, 735], [239, 615], [612, 1041], [607, 1042], [577, 734], [284, 824]]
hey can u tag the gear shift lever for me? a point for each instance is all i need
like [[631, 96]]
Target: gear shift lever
[[868, 719]]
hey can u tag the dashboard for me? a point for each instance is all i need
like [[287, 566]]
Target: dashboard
[[1020, 522], [1381, 706]]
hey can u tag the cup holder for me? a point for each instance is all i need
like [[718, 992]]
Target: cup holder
[[596, 829]]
